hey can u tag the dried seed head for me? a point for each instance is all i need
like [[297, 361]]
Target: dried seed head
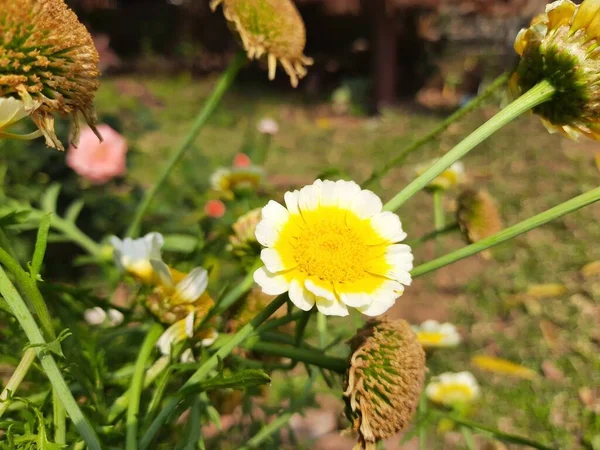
[[270, 28], [384, 380], [478, 215], [561, 46], [48, 60], [243, 243]]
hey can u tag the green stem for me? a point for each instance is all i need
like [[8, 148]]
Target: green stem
[[500, 435], [137, 382], [211, 104], [16, 379], [25, 319], [6, 244], [540, 93], [439, 215], [120, 404], [211, 364], [316, 358], [322, 329], [59, 418], [421, 427], [415, 145], [510, 232], [468, 436], [432, 235], [29, 289], [70, 230]]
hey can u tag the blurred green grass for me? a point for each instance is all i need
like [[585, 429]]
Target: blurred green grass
[[523, 166]]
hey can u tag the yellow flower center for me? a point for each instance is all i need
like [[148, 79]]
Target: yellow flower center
[[430, 337], [454, 393]]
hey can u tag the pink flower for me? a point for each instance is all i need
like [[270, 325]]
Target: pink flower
[[241, 160], [215, 209], [98, 161]]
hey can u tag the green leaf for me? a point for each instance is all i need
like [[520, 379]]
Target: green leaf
[[13, 217], [50, 197], [239, 380], [40, 246], [73, 210], [180, 243], [53, 346]]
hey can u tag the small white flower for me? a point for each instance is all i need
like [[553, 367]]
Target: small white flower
[[268, 126], [95, 316], [188, 290], [448, 179], [453, 389], [115, 317], [178, 332], [432, 334], [133, 255], [11, 112], [333, 246]]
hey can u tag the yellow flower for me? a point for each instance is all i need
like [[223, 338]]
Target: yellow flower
[[448, 179], [384, 380], [332, 245], [546, 290], [561, 46], [134, 255], [271, 28], [227, 180], [432, 334], [11, 112], [453, 389], [48, 59], [478, 215], [503, 367]]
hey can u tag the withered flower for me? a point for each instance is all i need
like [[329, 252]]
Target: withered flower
[[478, 215]]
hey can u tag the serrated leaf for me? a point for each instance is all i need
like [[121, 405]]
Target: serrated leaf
[[50, 198], [239, 380], [74, 210], [41, 243], [180, 243]]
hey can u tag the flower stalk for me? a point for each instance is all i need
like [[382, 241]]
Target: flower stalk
[[539, 94], [209, 108], [510, 232], [27, 322], [474, 104], [16, 379]]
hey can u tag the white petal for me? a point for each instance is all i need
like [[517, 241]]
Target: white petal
[[94, 316], [331, 307], [309, 197], [266, 234], [172, 335], [275, 215], [210, 340], [270, 257], [193, 285], [356, 299], [366, 204], [291, 201], [271, 284], [189, 324], [154, 243], [163, 272], [381, 304], [388, 226], [116, 243], [320, 291], [430, 325], [187, 357], [399, 255], [115, 317], [300, 296], [329, 193], [346, 191]]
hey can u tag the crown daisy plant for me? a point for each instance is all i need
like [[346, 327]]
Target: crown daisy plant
[[455, 390], [332, 246], [270, 29], [431, 334], [48, 61]]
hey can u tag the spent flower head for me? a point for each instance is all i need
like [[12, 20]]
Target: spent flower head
[[272, 29], [384, 380], [134, 255], [561, 46], [432, 334], [243, 243], [333, 246], [455, 390], [478, 215], [48, 60]]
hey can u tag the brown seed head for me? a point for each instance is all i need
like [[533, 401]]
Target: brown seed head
[[478, 215], [384, 380], [48, 59]]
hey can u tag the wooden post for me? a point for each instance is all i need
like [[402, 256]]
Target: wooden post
[[385, 54]]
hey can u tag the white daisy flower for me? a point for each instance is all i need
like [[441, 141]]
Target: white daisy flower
[[333, 246], [178, 332], [268, 126], [182, 288], [448, 179], [453, 389], [11, 112], [226, 179], [432, 334], [133, 255]]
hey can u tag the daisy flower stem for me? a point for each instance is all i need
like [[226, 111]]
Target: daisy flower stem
[[27, 322], [415, 145], [209, 108], [468, 436], [16, 379], [540, 93], [210, 365], [510, 232], [439, 215], [137, 385]]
